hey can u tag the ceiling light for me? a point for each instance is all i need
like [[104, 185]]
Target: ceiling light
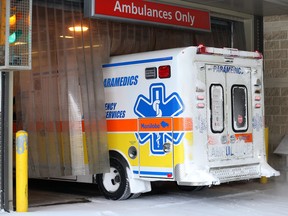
[[66, 36], [20, 43], [78, 28]]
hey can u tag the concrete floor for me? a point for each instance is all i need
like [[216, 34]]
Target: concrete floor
[[234, 199]]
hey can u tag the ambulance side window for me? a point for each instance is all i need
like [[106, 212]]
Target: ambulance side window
[[217, 108], [239, 108]]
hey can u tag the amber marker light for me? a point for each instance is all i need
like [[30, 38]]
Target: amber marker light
[[12, 20]]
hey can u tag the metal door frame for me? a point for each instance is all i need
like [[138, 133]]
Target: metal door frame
[[6, 115]]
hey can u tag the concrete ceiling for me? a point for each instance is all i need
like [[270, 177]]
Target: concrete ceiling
[[253, 7]]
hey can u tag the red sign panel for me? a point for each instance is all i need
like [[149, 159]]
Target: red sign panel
[[150, 12]]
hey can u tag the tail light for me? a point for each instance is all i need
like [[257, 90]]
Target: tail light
[[201, 49], [258, 55]]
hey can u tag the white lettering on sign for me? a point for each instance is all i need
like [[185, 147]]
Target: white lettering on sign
[[184, 17], [149, 12], [155, 13]]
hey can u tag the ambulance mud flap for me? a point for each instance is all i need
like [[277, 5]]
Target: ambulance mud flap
[[137, 185], [119, 184], [267, 170], [196, 176]]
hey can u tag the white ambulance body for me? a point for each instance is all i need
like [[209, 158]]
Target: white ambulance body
[[191, 115]]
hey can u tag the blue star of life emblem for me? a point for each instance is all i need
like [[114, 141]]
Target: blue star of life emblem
[[158, 105]]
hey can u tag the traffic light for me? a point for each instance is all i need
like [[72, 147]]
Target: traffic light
[[14, 19], [16, 24], [15, 34]]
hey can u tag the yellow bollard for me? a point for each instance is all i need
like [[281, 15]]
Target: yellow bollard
[[263, 179], [21, 171]]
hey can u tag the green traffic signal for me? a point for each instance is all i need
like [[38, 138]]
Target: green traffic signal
[[13, 37]]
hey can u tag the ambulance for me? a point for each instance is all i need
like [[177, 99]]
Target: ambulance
[[191, 115]]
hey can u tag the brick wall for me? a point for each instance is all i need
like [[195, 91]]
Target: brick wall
[[276, 82]]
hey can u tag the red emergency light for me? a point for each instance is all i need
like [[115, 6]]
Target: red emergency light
[[201, 49], [260, 56], [164, 71]]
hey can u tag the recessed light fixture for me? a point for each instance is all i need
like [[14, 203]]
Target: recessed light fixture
[[20, 43], [66, 36], [78, 28]]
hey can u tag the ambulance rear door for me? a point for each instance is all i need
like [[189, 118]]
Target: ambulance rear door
[[229, 112]]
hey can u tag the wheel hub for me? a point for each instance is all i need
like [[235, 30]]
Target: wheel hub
[[112, 180]]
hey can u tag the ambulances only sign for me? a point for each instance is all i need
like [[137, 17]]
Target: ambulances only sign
[[149, 12]]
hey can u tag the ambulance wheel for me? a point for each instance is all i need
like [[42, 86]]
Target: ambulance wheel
[[115, 184]]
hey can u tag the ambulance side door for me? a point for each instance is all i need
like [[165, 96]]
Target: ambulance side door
[[156, 147]]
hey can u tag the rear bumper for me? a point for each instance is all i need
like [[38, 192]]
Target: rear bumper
[[197, 176]]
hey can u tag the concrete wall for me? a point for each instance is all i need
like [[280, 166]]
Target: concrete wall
[[276, 83]]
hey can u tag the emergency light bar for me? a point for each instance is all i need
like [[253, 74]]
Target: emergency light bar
[[228, 52]]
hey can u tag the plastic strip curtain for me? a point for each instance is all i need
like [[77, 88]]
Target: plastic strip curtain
[[62, 98]]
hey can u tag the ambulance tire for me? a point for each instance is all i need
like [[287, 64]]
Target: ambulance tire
[[135, 195], [115, 184], [202, 188]]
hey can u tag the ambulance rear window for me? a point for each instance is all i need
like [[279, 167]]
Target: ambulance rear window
[[239, 108], [217, 108]]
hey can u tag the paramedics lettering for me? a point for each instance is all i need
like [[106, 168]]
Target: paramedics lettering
[[121, 81], [228, 69]]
